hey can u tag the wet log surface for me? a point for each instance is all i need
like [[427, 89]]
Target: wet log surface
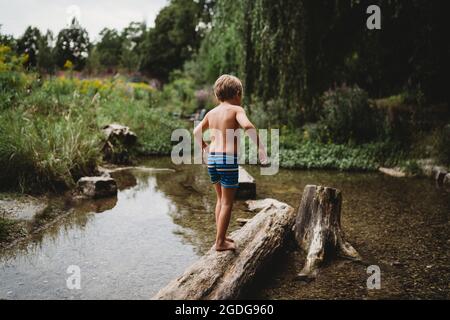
[[223, 275]]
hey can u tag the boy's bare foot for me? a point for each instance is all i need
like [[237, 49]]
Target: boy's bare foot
[[226, 245]]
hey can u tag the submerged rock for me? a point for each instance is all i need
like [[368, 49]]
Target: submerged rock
[[247, 185], [97, 187]]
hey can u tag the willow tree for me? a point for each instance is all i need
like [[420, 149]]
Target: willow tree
[[274, 52]]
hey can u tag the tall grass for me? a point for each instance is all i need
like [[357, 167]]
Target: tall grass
[[38, 151], [51, 136]]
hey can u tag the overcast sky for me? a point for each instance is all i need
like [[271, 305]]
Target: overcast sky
[[16, 15]]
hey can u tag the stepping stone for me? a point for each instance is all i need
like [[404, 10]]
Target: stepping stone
[[97, 187]]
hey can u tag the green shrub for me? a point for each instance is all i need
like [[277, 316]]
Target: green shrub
[[314, 155], [179, 95], [348, 117]]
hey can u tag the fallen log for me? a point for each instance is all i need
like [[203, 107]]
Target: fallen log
[[318, 228], [223, 275]]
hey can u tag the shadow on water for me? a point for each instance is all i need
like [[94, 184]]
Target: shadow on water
[[132, 245]]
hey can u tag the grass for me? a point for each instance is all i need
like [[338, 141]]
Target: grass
[[7, 229], [51, 136]]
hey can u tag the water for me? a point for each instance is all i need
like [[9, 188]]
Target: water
[[161, 222]]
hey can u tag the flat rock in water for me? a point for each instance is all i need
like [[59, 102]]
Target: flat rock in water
[[247, 185], [97, 187], [106, 171], [393, 172]]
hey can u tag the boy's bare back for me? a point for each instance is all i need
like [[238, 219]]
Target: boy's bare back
[[221, 118]]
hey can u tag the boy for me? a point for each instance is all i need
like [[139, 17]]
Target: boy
[[227, 117]]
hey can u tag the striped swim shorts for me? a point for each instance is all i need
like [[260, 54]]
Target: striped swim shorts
[[223, 168]]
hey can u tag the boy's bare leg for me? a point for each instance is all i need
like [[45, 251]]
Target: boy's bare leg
[[224, 219], [218, 189]]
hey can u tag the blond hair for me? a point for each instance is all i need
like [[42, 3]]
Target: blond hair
[[227, 87]]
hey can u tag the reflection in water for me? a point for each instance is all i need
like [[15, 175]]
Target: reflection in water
[[129, 251], [163, 221]]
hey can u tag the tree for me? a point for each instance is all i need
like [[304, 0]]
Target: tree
[[46, 59], [109, 48], [174, 38], [133, 37], [72, 44], [29, 44]]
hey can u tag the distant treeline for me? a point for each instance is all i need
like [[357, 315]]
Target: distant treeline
[[176, 36], [289, 51]]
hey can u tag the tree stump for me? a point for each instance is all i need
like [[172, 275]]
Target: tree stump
[[318, 228], [223, 275]]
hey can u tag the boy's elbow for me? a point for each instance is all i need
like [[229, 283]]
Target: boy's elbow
[[249, 127]]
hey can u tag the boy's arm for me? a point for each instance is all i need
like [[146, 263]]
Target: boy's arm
[[198, 132], [246, 124]]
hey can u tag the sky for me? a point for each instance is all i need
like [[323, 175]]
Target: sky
[[94, 15]]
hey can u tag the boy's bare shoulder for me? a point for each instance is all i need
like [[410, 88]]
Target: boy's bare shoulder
[[239, 109]]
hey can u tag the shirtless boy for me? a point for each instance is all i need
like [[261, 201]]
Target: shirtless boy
[[222, 152]]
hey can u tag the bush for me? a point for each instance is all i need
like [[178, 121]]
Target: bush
[[179, 95], [348, 117], [153, 126], [273, 113]]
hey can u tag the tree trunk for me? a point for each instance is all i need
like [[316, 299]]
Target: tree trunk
[[223, 275], [318, 228]]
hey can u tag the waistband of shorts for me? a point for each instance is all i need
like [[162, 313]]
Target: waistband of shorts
[[223, 154]]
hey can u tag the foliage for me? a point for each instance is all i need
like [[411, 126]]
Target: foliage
[[174, 38], [50, 134], [72, 44], [41, 150], [132, 52], [109, 48], [222, 49], [12, 79], [315, 155], [348, 117], [29, 44]]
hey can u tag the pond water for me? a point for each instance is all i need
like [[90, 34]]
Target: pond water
[[161, 222]]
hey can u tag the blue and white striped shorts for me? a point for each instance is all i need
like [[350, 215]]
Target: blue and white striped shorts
[[223, 168]]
